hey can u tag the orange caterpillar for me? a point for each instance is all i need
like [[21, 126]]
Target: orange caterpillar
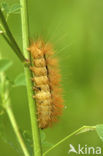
[[46, 80]]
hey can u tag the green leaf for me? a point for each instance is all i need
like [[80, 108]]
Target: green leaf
[[28, 140], [10, 8], [5, 7], [86, 129], [14, 8], [20, 80], [6, 136], [44, 142], [5, 64], [99, 130], [43, 136]]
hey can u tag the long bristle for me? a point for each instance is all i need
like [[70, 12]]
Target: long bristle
[[48, 93]]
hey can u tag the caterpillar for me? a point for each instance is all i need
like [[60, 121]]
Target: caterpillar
[[46, 79]]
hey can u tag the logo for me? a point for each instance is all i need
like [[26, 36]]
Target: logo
[[84, 150]]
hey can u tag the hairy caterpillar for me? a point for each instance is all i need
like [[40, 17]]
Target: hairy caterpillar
[[46, 80]]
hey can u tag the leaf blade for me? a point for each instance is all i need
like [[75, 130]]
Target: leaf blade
[[99, 130]]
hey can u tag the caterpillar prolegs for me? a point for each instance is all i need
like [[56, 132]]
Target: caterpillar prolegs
[[46, 80]]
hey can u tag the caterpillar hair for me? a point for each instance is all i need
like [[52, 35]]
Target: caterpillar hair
[[46, 78]]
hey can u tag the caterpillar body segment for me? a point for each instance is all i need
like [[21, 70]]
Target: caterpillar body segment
[[46, 80]]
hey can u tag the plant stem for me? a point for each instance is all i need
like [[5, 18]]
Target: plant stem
[[32, 105], [11, 38], [7, 107], [16, 130], [80, 130]]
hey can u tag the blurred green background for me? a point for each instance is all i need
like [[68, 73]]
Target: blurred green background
[[75, 28]]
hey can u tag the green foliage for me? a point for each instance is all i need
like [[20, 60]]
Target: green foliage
[[7, 137], [5, 64], [29, 143], [20, 80], [28, 140], [82, 22], [44, 142], [5, 7], [99, 129], [10, 9], [4, 85], [43, 136], [86, 129]]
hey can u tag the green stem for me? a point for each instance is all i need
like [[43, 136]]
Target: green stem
[[32, 105], [11, 38], [16, 130], [80, 130], [6, 105]]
